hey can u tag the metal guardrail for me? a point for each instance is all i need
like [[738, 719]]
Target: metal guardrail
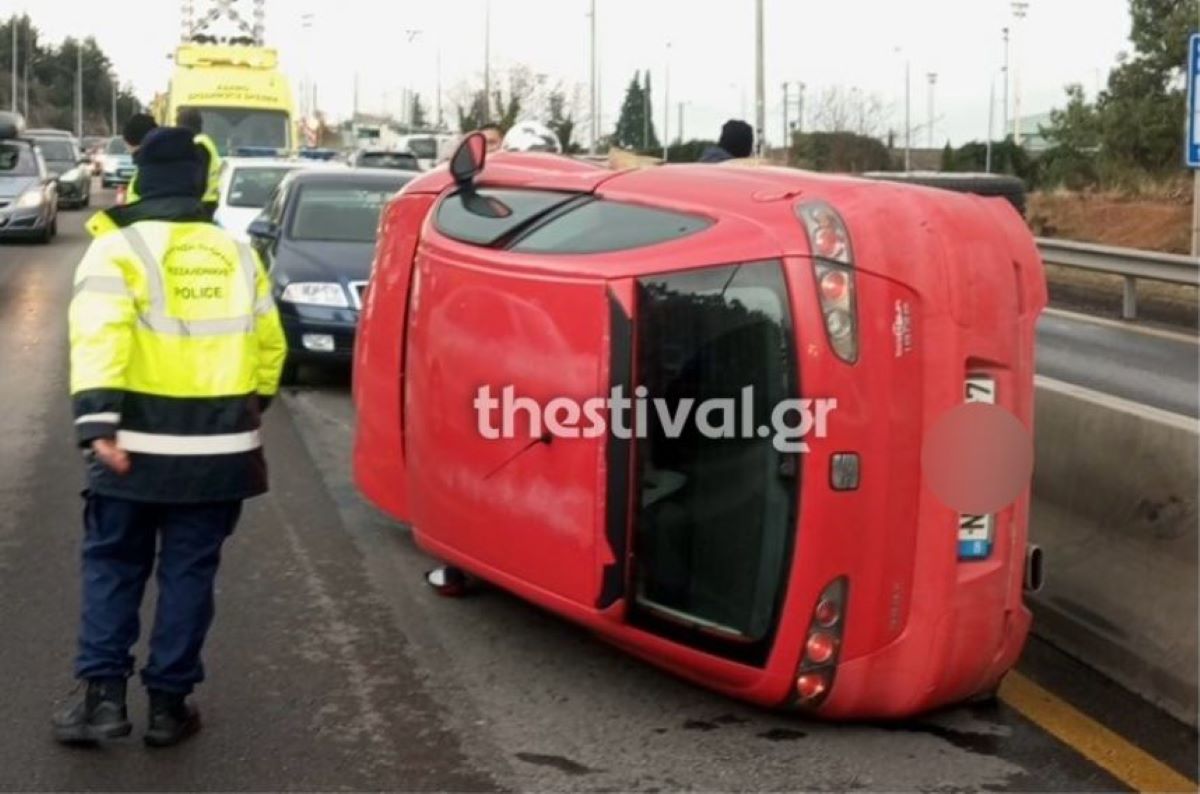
[[1130, 263]]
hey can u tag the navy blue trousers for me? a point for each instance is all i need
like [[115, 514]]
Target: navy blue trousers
[[120, 541]]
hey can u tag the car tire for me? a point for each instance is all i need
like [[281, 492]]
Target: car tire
[[54, 226], [998, 185], [290, 375]]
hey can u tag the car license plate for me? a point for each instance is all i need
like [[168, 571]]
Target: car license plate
[[123, 172], [975, 531]]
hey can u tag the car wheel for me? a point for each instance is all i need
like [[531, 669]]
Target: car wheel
[[291, 372], [87, 200], [54, 226]]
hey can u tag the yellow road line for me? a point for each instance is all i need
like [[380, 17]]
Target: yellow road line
[[1123, 760]]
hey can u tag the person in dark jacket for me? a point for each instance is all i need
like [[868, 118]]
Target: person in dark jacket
[[176, 349], [737, 141]]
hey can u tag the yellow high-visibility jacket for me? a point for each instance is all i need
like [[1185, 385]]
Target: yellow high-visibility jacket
[[176, 347], [212, 186]]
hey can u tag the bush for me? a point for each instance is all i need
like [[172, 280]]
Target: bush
[[839, 151]]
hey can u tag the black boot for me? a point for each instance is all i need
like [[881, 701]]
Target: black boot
[[172, 719], [99, 714]]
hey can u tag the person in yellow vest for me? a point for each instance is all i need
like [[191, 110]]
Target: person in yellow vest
[[190, 118], [176, 350], [134, 132]]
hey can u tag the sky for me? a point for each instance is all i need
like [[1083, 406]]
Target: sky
[[706, 47]]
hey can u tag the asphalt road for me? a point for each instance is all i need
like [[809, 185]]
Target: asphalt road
[[1145, 365], [331, 667]]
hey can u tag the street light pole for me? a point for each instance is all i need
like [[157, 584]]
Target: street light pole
[[987, 165], [113, 82], [595, 136], [907, 115], [14, 63], [1020, 7], [487, 61], [1004, 126], [760, 98], [786, 100], [932, 82], [78, 89], [667, 107]]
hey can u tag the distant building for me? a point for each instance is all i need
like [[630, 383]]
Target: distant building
[[1032, 139]]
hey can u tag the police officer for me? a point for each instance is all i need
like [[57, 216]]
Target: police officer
[[176, 349], [191, 119]]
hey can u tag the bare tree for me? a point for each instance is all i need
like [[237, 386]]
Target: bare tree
[[841, 109]]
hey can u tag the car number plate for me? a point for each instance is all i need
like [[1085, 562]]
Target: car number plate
[[975, 532]]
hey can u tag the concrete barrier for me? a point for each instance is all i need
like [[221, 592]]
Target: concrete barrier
[[1114, 508]]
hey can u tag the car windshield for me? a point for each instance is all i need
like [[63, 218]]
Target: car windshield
[[116, 146], [343, 213], [397, 160], [715, 516], [252, 187], [425, 148], [17, 160], [58, 150], [235, 128]]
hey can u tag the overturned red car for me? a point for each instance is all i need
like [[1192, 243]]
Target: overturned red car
[[534, 328]]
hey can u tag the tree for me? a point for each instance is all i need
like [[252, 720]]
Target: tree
[[47, 79], [628, 134], [635, 126], [1134, 125], [839, 151], [840, 109], [948, 158], [562, 120], [416, 113]]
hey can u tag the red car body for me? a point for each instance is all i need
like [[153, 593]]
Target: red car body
[[944, 285]]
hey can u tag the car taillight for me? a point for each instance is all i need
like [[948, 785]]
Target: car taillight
[[822, 645], [833, 266]]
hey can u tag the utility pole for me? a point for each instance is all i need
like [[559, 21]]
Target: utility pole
[[667, 108], [487, 61], [78, 89], [932, 82], [14, 63], [113, 82], [786, 102], [593, 99], [1004, 117], [760, 98], [987, 165], [441, 122], [907, 115], [1020, 7], [800, 110], [680, 106]]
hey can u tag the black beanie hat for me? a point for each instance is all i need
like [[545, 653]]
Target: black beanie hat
[[168, 164], [737, 138], [137, 127]]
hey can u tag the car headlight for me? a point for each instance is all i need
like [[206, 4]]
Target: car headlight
[[30, 198], [316, 293]]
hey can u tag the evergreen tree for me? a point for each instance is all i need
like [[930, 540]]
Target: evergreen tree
[[628, 134]]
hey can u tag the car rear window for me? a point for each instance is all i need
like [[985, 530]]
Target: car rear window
[[398, 160], [600, 226], [58, 150], [16, 159], [486, 217], [339, 213], [252, 187]]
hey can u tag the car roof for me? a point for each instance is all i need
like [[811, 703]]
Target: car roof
[[46, 132], [370, 175]]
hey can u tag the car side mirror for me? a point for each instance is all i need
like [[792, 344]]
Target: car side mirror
[[262, 229], [468, 159]]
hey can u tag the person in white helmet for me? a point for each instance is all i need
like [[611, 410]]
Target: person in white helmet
[[531, 136]]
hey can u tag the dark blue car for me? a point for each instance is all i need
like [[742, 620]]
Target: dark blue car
[[317, 238]]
